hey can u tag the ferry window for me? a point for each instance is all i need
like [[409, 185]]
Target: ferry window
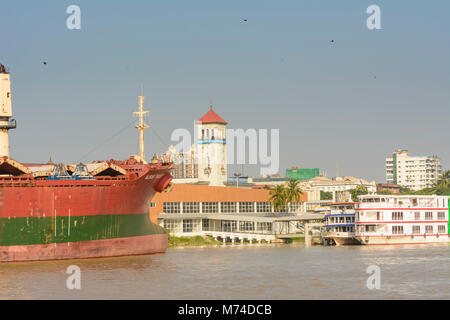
[[370, 228], [397, 215], [428, 215], [416, 229], [428, 229], [228, 207], [441, 215], [417, 215], [441, 229], [210, 207], [397, 229], [191, 207]]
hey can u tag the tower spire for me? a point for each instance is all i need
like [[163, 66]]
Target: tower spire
[[142, 126]]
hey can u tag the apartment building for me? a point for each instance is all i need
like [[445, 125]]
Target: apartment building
[[414, 172]]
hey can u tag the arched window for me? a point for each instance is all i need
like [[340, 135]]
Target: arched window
[[203, 134], [207, 134], [212, 134]]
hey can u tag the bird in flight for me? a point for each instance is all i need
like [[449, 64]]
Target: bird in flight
[[245, 20], [44, 62]]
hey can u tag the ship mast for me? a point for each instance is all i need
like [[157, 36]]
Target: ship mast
[[141, 127]]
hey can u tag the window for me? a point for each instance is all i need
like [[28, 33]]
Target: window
[[370, 228], [246, 226], [171, 207], [397, 229], [417, 215], [152, 204], [416, 229], [187, 225], [264, 226], [441, 215], [210, 207], [428, 215], [170, 225], [296, 206], [228, 226], [428, 229], [397, 215], [441, 229], [263, 207], [246, 207], [191, 207], [228, 207], [205, 224]]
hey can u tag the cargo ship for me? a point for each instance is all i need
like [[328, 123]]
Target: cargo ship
[[56, 211]]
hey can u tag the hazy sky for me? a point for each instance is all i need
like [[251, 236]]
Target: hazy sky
[[353, 100]]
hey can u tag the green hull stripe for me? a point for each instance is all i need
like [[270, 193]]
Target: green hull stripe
[[45, 230]]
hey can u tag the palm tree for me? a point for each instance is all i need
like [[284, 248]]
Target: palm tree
[[278, 197], [293, 192], [442, 185]]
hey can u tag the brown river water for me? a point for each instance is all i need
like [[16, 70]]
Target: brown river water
[[285, 271]]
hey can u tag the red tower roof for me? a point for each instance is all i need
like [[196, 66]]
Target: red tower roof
[[212, 117]]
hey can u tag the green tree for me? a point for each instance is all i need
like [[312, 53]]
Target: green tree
[[385, 192], [278, 197], [442, 186], [326, 195], [293, 192], [358, 191]]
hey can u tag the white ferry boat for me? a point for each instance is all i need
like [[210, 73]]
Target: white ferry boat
[[339, 225], [391, 219]]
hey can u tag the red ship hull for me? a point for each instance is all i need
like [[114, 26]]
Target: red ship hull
[[68, 219]]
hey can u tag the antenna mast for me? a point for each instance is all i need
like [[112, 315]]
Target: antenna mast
[[142, 126]]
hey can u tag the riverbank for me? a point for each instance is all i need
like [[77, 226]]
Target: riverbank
[[192, 241], [208, 240]]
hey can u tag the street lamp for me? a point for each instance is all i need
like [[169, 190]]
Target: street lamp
[[237, 175]]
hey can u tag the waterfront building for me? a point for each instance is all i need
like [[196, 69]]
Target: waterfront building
[[339, 224], [301, 174], [393, 219], [413, 172], [190, 210]]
